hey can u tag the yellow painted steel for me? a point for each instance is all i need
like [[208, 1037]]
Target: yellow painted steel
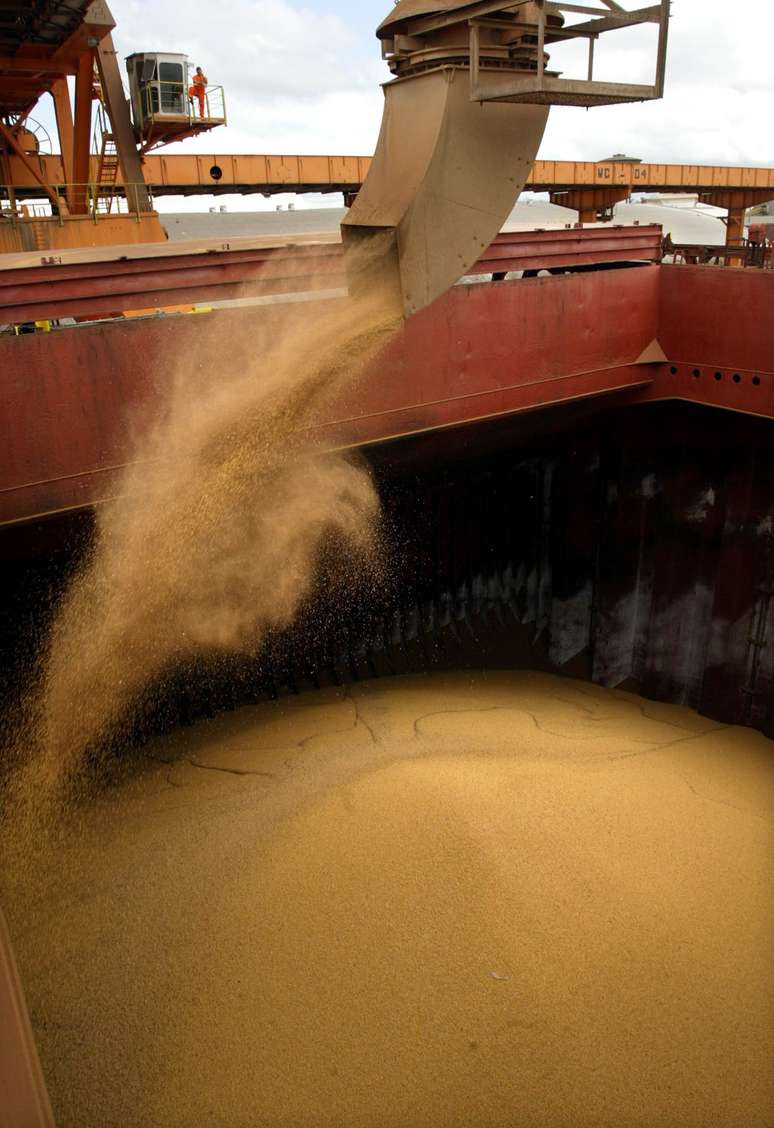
[[245, 173], [49, 233]]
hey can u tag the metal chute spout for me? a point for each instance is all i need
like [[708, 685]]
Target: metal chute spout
[[447, 169], [444, 178], [463, 120]]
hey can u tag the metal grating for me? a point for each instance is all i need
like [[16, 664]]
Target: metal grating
[[38, 22]]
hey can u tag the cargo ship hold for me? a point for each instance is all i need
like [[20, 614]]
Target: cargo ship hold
[[570, 432]]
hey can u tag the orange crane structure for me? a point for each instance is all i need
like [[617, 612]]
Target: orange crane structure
[[42, 45]]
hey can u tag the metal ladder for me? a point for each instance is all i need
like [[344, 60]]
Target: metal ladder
[[107, 168]]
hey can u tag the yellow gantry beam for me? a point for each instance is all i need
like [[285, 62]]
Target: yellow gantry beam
[[219, 174]]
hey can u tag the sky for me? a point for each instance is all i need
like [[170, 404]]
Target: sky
[[303, 77]]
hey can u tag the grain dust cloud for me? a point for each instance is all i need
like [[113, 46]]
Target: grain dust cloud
[[213, 538]]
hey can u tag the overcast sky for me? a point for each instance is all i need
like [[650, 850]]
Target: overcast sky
[[303, 77]]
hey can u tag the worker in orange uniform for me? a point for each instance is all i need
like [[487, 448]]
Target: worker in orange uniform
[[197, 89]]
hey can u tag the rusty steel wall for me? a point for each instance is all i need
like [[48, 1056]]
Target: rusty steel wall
[[69, 399], [644, 548], [105, 283], [632, 546], [717, 316], [546, 513], [635, 550]]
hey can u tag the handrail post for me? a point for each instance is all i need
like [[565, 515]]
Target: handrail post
[[663, 36], [541, 43], [475, 56]]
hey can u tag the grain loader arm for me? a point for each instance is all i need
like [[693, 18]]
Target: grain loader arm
[[463, 120]]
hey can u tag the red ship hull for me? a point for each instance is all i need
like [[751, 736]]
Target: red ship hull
[[522, 421]]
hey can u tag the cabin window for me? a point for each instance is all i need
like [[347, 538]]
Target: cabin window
[[171, 72], [171, 91]]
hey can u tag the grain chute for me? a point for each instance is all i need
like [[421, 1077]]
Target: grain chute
[[463, 120]]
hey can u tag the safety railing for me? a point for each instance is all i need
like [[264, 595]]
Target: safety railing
[[21, 203], [162, 101], [747, 252], [551, 87]]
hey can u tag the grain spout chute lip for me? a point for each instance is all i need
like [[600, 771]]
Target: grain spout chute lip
[[444, 178]]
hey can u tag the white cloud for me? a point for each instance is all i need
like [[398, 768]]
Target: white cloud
[[297, 79], [718, 104], [338, 122], [266, 48]]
